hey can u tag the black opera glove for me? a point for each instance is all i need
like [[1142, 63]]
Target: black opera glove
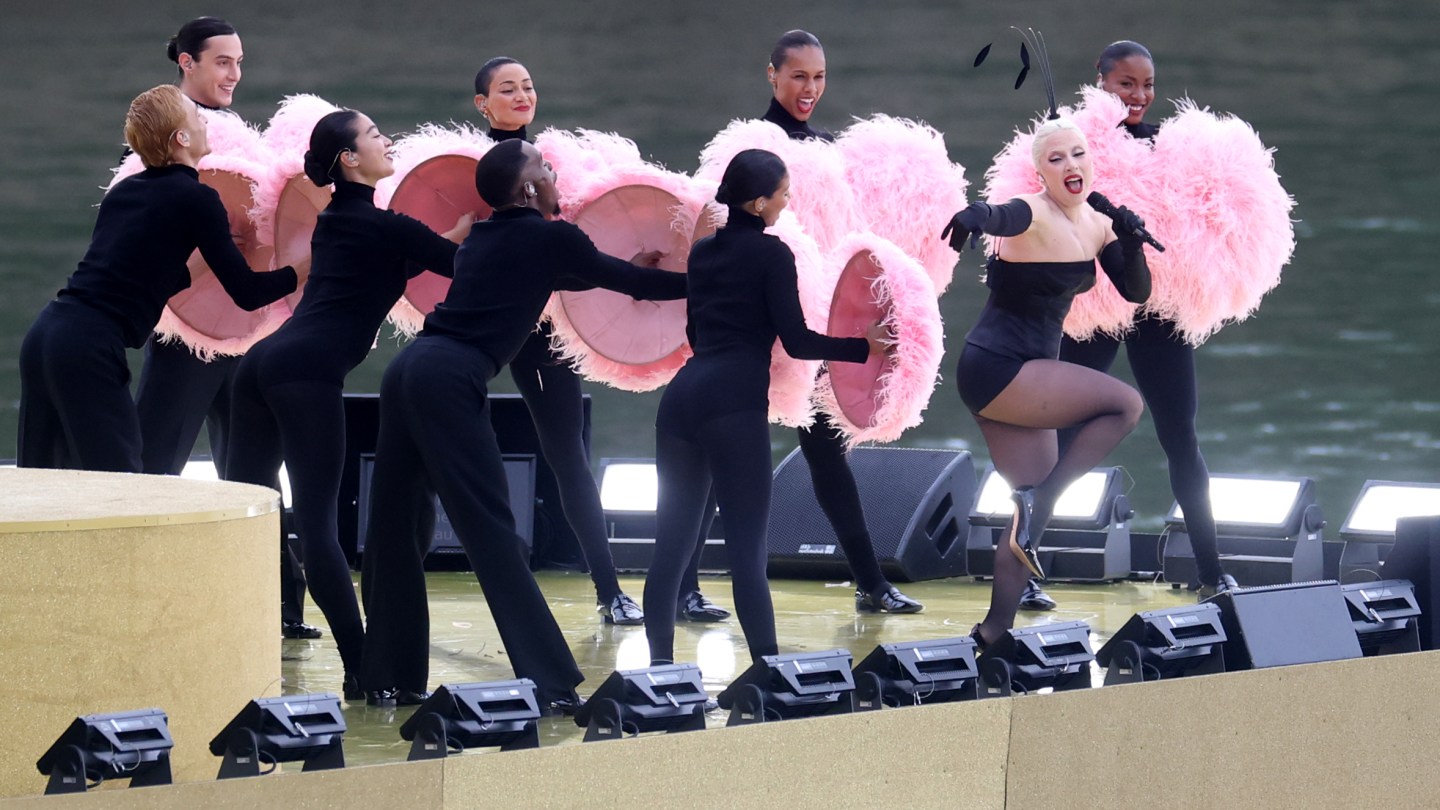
[[1128, 226], [968, 223]]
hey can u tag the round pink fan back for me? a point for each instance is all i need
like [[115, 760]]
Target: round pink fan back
[[205, 306], [437, 192], [300, 204], [852, 310], [623, 222]]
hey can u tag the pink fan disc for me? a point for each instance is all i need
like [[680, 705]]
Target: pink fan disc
[[300, 204], [205, 306], [437, 192], [623, 222], [852, 310]]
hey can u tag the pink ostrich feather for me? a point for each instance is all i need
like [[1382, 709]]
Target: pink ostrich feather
[[287, 137], [1123, 172], [228, 134], [565, 340], [906, 292], [581, 155], [820, 194], [792, 381], [906, 187], [1226, 224]]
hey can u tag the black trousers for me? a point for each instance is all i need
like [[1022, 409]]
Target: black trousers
[[436, 436], [177, 393], [823, 448], [552, 393], [301, 423], [733, 452], [1164, 368], [75, 406]]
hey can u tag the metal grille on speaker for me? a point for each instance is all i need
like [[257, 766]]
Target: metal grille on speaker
[[916, 503]]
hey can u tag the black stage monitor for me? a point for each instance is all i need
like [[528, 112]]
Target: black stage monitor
[[474, 715], [1027, 659], [669, 697], [915, 672], [99, 747], [1415, 558], [293, 728], [779, 687], [1168, 643], [1385, 615]]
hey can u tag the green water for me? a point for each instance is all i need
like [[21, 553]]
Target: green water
[[1332, 379]]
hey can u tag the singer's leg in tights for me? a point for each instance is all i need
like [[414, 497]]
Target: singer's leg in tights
[[736, 450], [303, 423], [552, 392], [1164, 368], [839, 498], [1019, 428]]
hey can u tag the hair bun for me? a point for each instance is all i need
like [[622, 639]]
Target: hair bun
[[314, 171], [722, 194], [172, 49]]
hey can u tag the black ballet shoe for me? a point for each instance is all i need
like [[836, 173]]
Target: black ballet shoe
[[1035, 598], [888, 599], [564, 705], [696, 607], [622, 610], [351, 689], [299, 630], [1022, 545]]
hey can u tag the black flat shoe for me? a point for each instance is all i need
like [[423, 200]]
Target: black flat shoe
[[695, 607], [1035, 598], [1022, 545], [351, 689], [299, 630], [622, 610], [566, 705], [886, 600]]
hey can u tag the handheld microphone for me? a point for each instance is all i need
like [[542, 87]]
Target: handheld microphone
[[1104, 206]]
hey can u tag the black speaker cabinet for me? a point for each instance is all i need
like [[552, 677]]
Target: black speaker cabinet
[[917, 505], [1416, 557], [553, 541], [1278, 625]]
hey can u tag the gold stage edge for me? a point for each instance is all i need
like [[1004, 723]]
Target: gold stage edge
[[1343, 733]]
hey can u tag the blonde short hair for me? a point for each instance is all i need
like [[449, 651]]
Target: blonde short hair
[[153, 117], [1049, 128]]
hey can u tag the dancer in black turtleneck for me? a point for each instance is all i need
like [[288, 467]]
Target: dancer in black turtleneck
[[505, 95], [288, 403], [797, 74], [712, 425], [436, 436], [75, 404]]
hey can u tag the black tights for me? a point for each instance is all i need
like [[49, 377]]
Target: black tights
[[824, 450], [1164, 368], [551, 390], [1019, 427], [302, 423], [733, 451]]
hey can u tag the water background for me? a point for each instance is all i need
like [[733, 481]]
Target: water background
[[1334, 378]]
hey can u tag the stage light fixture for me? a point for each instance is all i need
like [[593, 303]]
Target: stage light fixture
[[1386, 615], [293, 728], [669, 698], [1268, 531], [202, 468], [458, 716], [1163, 644], [916, 672], [629, 488], [779, 687], [1088, 537], [1369, 529], [1028, 659], [97, 748]]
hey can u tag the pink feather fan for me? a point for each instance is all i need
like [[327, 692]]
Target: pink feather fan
[[820, 193], [625, 209], [905, 187], [434, 182], [1123, 171], [881, 398], [1225, 222]]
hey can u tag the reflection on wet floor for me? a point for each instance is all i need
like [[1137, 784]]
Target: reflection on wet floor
[[810, 615]]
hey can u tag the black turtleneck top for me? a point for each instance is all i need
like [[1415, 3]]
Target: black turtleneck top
[[743, 295], [509, 265], [498, 135], [148, 226], [1142, 130], [361, 258], [797, 130]]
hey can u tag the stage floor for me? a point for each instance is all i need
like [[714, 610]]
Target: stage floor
[[810, 615]]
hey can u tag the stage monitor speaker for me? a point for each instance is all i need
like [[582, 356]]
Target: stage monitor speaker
[[519, 476], [917, 508], [1416, 557], [554, 543], [1279, 625]]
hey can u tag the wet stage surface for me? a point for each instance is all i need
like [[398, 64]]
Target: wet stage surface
[[810, 615]]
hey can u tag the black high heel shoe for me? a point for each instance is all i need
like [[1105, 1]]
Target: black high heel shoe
[[1022, 545], [980, 642]]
